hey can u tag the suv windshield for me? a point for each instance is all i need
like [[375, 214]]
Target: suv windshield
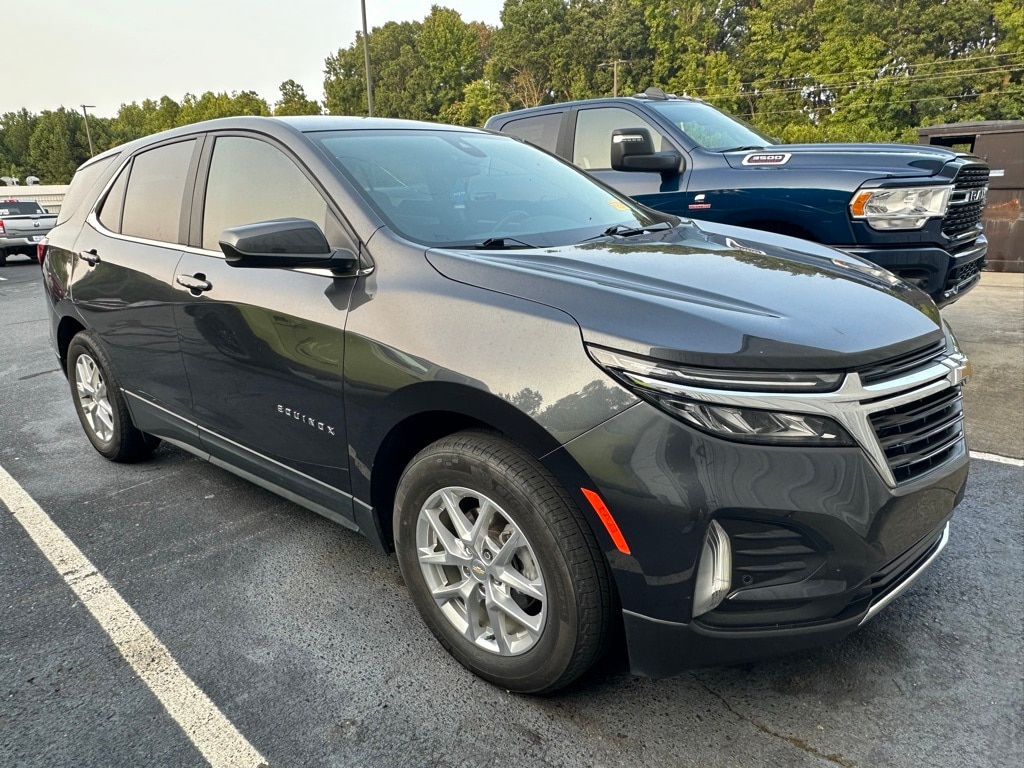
[[453, 189], [19, 208], [709, 128]]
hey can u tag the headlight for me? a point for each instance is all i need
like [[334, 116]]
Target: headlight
[[666, 385], [900, 208], [750, 425]]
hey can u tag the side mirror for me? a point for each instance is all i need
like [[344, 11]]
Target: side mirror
[[283, 243], [633, 150]]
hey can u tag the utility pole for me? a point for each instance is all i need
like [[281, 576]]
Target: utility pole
[[88, 134], [366, 58], [615, 73]]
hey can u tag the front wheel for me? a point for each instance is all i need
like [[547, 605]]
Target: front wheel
[[501, 564], [100, 405]]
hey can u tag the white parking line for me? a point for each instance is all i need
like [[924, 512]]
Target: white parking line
[[997, 458], [203, 723]]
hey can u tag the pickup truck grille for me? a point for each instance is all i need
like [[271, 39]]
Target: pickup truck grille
[[965, 206], [898, 366], [919, 436]]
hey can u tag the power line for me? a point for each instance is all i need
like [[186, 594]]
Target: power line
[[836, 107], [888, 80], [939, 62]]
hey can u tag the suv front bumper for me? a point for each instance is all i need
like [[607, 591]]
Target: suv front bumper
[[820, 541]]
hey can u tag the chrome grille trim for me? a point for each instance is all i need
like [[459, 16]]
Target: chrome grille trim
[[970, 189]]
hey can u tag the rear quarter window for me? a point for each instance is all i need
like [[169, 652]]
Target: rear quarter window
[[81, 185]]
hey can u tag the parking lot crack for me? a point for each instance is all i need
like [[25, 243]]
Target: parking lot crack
[[792, 740]]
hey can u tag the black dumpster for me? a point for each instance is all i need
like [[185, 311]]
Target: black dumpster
[[1001, 143]]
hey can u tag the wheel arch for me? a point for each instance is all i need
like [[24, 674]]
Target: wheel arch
[[67, 329], [429, 411]]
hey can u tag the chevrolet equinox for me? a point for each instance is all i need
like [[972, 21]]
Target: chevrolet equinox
[[563, 411]]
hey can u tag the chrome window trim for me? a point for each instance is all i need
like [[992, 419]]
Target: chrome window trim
[[851, 405]]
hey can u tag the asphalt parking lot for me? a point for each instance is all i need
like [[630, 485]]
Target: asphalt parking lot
[[302, 635]]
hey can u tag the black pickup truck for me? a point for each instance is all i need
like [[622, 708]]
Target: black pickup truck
[[914, 210]]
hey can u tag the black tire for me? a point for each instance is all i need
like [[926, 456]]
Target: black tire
[[3, 258], [100, 405], [560, 551]]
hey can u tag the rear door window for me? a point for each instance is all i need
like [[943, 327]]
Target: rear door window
[[250, 181], [152, 202], [541, 130]]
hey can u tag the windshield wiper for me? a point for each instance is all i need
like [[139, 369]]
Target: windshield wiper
[[742, 149], [495, 244], [621, 230]]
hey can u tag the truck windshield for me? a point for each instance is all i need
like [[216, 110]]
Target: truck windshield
[[711, 129], [19, 208], [455, 189]]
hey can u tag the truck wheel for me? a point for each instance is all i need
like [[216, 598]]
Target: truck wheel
[[100, 405], [500, 563], [3, 258]]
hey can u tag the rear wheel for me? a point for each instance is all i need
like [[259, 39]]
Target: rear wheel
[[3, 258], [100, 405], [501, 564]]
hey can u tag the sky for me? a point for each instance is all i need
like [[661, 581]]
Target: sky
[[106, 53]]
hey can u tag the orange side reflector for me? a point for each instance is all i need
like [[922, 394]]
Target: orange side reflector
[[609, 522], [857, 206]]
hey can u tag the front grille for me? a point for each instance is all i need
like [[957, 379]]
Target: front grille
[[919, 436], [910, 361], [964, 215]]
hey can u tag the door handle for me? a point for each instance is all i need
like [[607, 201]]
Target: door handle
[[90, 257], [195, 283]]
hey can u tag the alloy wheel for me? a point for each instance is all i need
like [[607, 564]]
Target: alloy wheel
[[92, 396], [481, 571]]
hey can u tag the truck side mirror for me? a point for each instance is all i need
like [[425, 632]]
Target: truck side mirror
[[633, 150]]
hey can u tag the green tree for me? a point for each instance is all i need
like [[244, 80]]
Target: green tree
[[527, 51], [58, 146], [133, 121], [211, 105], [293, 101], [15, 133]]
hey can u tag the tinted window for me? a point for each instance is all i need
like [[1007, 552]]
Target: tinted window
[[80, 187], [20, 208], [152, 204], [252, 181], [110, 212], [709, 128], [541, 130], [593, 145], [459, 189]]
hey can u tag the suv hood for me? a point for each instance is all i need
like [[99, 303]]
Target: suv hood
[[715, 296], [904, 160]]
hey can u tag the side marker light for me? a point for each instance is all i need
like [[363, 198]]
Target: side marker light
[[609, 522]]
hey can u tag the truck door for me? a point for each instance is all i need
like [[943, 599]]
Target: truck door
[[591, 151]]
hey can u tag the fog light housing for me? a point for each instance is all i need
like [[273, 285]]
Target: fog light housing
[[714, 571]]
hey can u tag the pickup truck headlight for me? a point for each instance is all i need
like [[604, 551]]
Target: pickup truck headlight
[[901, 207], [667, 386]]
